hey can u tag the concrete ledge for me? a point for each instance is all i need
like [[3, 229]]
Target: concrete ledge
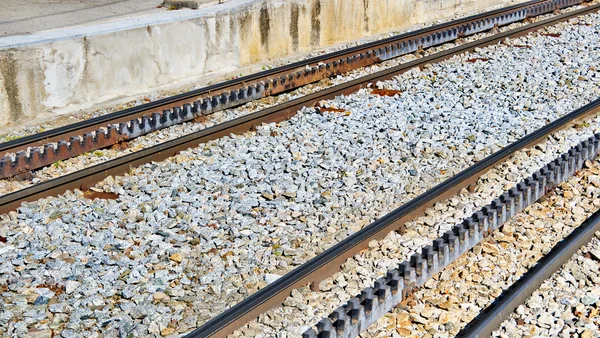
[[77, 68], [193, 4]]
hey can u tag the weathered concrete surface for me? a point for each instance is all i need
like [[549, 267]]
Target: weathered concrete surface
[[29, 16], [81, 67]]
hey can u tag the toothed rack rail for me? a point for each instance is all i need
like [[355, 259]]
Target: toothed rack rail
[[350, 319], [36, 151]]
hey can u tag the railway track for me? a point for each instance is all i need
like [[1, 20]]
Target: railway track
[[469, 297], [372, 303], [89, 176], [323, 265], [352, 318], [36, 151]]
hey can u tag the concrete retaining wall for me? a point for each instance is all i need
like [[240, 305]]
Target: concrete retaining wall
[[79, 68]]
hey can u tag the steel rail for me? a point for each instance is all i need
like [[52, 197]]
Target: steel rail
[[492, 317], [325, 264], [42, 149]]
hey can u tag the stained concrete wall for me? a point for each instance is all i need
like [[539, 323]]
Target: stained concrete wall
[[65, 71]]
